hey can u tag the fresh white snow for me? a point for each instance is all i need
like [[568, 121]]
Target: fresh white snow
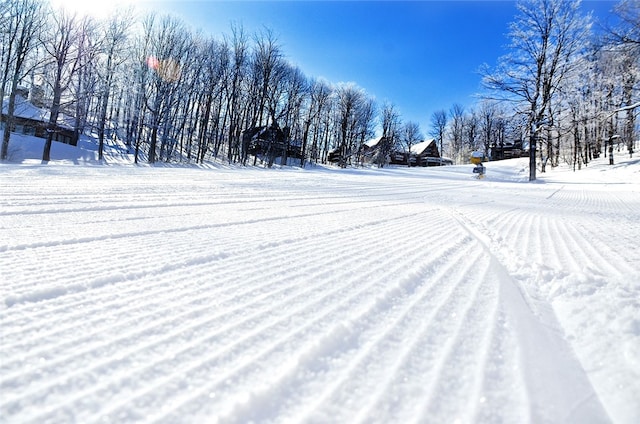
[[218, 294]]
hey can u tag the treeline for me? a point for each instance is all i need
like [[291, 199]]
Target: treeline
[[176, 95], [173, 94], [562, 93]]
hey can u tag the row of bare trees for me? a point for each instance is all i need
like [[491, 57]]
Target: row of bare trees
[[170, 93], [561, 91], [487, 126]]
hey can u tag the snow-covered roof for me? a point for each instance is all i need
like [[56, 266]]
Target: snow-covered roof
[[26, 110], [419, 147], [372, 142]]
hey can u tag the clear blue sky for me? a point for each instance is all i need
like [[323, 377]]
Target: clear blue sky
[[421, 56]]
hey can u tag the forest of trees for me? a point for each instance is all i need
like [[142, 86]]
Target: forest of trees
[[177, 95]]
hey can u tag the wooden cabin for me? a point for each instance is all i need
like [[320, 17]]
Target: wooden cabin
[[29, 119]]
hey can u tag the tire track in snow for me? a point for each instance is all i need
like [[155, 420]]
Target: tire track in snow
[[179, 265], [500, 376], [546, 354], [161, 204], [547, 245], [74, 318], [105, 203]]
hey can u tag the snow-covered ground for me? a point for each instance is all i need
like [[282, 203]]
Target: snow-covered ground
[[186, 295]]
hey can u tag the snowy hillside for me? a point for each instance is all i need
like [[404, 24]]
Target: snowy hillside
[[155, 294]]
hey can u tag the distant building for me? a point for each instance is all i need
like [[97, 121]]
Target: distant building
[[370, 151], [425, 153], [270, 142], [507, 150], [32, 120]]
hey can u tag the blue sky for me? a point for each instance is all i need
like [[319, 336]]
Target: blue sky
[[421, 56]]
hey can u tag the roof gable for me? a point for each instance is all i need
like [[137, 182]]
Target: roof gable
[[24, 109], [419, 148], [373, 142]]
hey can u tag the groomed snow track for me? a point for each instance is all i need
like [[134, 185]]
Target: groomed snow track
[[179, 295]]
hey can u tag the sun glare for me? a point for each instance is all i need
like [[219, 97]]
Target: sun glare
[[97, 9]]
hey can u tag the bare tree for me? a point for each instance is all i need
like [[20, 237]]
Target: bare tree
[[234, 88], [139, 73], [297, 91], [456, 130], [270, 70], [114, 38], [628, 32], [610, 75], [353, 115], [22, 20], [488, 114], [366, 122], [83, 90], [391, 126], [62, 51], [168, 43], [410, 135], [628, 36], [213, 79], [438, 129], [545, 37], [471, 131], [318, 101]]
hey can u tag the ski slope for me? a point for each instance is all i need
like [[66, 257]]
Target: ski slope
[[190, 295]]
